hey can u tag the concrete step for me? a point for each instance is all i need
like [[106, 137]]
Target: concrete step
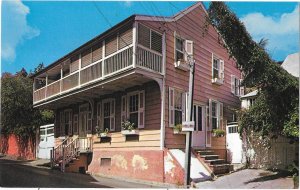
[[215, 161], [205, 152], [210, 157], [220, 169]]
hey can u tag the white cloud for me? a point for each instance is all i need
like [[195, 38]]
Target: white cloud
[[15, 28], [282, 33]]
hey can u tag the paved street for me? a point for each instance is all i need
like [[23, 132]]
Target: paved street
[[250, 179], [14, 174]]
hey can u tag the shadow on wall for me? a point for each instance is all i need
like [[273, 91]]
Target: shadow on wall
[[13, 145]]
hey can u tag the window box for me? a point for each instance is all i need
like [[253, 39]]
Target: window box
[[104, 135], [182, 65], [128, 132], [217, 81], [176, 132]]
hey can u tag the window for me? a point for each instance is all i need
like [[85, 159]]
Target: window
[[183, 49], [217, 70], [136, 108], [75, 124], [236, 87], [215, 115], [177, 102], [108, 109]]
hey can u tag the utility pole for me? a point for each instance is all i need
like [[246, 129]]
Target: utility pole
[[189, 117]]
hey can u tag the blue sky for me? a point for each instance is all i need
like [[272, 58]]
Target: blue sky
[[35, 32]]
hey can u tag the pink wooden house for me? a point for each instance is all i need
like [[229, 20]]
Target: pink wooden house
[[137, 71]]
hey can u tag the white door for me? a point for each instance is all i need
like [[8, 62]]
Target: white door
[[234, 143], [46, 141], [198, 135]]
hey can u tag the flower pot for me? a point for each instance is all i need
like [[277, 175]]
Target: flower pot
[[128, 132]]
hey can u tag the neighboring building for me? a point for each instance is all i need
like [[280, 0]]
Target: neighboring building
[[137, 70], [248, 99], [291, 64]]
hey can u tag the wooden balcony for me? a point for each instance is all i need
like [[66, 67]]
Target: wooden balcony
[[130, 57]]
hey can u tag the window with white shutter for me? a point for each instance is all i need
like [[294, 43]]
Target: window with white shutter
[[89, 122], [108, 111], [141, 109], [217, 70], [123, 109], [62, 124], [189, 48], [75, 124], [236, 87], [242, 89], [171, 107], [215, 115], [232, 84], [99, 115]]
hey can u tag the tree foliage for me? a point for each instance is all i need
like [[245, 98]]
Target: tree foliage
[[18, 115], [276, 108]]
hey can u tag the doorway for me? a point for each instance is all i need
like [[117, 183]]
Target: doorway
[[198, 135], [46, 141]]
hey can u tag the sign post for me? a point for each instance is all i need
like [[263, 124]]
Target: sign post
[[189, 125]]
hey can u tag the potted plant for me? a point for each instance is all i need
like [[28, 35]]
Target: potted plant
[[102, 133], [129, 128], [178, 129], [218, 133]]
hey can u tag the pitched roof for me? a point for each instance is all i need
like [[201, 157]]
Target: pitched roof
[[291, 64]]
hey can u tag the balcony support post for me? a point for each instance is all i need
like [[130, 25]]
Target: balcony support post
[[103, 56], [134, 42], [163, 69], [79, 69], [61, 76], [46, 87]]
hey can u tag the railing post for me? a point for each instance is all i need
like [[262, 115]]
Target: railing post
[[134, 40], [79, 69], [103, 56], [63, 159], [51, 157], [61, 76]]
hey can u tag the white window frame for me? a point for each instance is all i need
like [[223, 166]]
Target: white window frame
[[220, 68], [141, 107], [185, 50], [236, 87], [219, 114], [112, 121], [69, 122], [172, 107]]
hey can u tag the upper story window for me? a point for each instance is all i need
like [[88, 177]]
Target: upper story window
[[179, 51], [217, 70], [177, 106], [149, 38], [183, 49], [236, 87]]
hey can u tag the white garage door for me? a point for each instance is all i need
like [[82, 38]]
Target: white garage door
[[46, 141], [234, 143]]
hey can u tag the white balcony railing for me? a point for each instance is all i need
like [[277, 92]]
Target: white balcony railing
[[110, 65]]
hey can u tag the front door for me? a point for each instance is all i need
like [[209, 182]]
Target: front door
[[83, 115], [46, 141], [198, 135]]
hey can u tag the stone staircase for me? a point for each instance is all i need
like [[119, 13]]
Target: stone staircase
[[212, 160]]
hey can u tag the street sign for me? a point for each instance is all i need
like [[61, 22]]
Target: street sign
[[188, 126]]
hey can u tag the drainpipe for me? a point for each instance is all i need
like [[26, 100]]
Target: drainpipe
[[162, 117]]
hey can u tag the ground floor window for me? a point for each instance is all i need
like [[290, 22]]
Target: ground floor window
[[133, 108], [177, 106], [215, 114], [108, 111]]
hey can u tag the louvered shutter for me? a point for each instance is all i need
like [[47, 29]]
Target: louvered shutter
[[86, 57], [125, 38], [89, 122], [171, 107], [123, 109], [99, 115], [184, 106], [210, 115], [97, 52], [74, 65], [189, 48], [232, 84], [212, 65], [156, 41], [207, 117], [62, 124], [112, 115], [222, 70], [141, 109], [144, 36], [221, 115], [242, 89], [70, 130], [111, 45], [75, 124]]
